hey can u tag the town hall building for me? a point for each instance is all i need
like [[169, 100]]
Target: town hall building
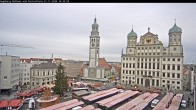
[[148, 63]]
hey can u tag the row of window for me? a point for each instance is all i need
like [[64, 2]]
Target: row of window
[[152, 66], [142, 48], [142, 65], [171, 74], [173, 82], [153, 59], [149, 73], [44, 73], [171, 67]]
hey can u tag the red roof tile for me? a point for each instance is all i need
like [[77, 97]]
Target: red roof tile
[[103, 63]]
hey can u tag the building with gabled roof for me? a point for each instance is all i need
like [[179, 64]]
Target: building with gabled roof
[[43, 74]]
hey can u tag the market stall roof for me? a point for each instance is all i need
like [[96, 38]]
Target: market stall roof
[[4, 103], [15, 103]]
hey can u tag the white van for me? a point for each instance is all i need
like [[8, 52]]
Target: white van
[[31, 103], [76, 108], [154, 103]]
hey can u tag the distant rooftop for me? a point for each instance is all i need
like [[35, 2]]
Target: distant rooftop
[[45, 66]]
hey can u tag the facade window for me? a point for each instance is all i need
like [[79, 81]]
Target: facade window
[[129, 65], [178, 75], [123, 64], [133, 72], [5, 77], [168, 75], [126, 71], [173, 59], [126, 65], [129, 71], [149, 59], [178, 82], [153, 53], [157, 83], [138, 65], [168, 59], [157, 59], [178, 87], [174, 49], [163, 81], [145, 65], [178, 67], [141, 65], [133, 65], [173, 67], [141, 81], [157, 74], [163, 59], [149, 65], [163, 74], [145, 53], [173, 82], [173, 75], [168, 67], [149, 47], [152, 82], [158, 47], [153, 47], [123, 71], [141, 72], [44, 73], [137, 80], [158, 53], [138, 53], [163, 67], [157, 65], [153, 65], [149, 73], [178, 59], [168, 81], [138, 48], [153, 73]]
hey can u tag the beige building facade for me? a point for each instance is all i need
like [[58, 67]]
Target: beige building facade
[[43, 74], [148, 63]]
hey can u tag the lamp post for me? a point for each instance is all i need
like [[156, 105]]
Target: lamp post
[[194, 95]]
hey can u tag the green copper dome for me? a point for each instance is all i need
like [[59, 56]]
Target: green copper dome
[[175, 29], [132, 34]]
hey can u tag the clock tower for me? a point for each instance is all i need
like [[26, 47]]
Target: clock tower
[[94, 45]]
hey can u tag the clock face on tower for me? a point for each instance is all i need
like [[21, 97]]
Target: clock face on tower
[[93, 44]]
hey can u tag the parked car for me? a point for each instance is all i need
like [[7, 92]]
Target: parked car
[[154, 103], [184, 103]]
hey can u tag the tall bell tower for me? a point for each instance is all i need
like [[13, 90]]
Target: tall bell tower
[[94, 45]]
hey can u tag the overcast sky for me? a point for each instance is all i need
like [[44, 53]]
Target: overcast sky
[[64, 29]]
